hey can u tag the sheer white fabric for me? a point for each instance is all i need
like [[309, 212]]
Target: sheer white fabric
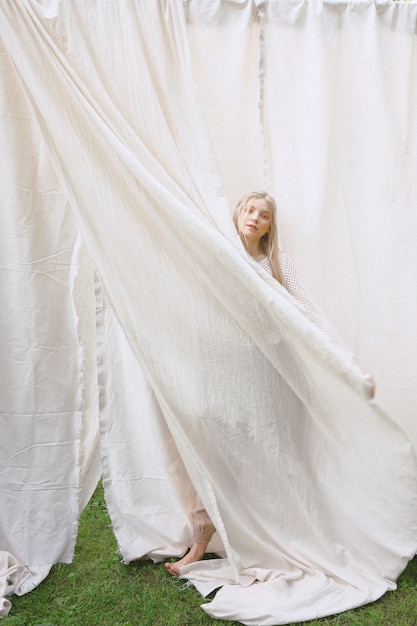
[[204, 361], [293, 284]]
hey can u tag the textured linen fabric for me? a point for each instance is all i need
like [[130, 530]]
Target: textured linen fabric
[[210, 377], [17, 579], [49, 460]]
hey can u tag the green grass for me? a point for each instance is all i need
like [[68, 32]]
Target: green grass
[[98, 590]]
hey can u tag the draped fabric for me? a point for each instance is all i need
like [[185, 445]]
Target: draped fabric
[[48, 386], [132, 129]]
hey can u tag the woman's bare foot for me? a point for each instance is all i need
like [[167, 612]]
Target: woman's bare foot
[[195, 553]]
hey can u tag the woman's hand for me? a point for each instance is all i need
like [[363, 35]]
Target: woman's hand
[[370, 383]]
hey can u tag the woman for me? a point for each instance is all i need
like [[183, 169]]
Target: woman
[[255, 218]]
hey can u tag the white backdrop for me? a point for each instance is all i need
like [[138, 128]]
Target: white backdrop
[[151, 140]]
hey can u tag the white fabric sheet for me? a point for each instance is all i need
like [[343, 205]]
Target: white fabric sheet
[[341, 132], [49, 461], [40, 417], [17, 579], [311, 486]]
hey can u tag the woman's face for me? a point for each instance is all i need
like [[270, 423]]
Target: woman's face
[[256, 220]]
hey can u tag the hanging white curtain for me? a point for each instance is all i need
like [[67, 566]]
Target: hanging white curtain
[[204, 362], [48, 417]]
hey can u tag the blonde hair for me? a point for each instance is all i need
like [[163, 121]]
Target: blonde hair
[[269, 242]]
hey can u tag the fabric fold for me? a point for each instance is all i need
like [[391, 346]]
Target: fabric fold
[[17, 579]]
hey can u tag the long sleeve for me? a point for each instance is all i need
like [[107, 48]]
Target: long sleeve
[[293, 284]]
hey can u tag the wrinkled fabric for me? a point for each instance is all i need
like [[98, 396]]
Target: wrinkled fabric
[[17, 579], [210, 376]]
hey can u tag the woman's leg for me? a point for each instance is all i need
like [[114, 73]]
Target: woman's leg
[[203, 530]]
